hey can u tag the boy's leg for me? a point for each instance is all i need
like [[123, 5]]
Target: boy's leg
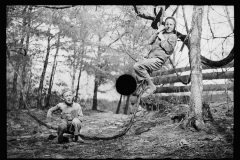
[[62, 128], [77, 126], [142, 70]]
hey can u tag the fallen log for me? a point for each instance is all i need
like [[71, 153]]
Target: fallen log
[[184, 69], [206, 76], [208, 87]]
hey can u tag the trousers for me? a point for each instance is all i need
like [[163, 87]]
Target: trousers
[[146, 66], [72, 127]]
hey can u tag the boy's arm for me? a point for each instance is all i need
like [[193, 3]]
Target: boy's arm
[[80, 114], [155, 35], [153, 38], [49, 113], [169, 44]]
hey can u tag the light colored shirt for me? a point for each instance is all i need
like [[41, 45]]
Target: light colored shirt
[[68, 112], [164, 48]]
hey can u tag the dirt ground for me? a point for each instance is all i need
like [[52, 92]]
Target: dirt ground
[[153, 135]]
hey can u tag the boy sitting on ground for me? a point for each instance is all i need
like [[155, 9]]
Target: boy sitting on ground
[[71, 115]]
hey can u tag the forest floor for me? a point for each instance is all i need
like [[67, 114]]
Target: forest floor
[[153, 135]]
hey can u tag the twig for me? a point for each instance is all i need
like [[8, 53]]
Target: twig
[[185, 19], [142, 15], [50, 7], [209, 22], [229, 21], [178, 124], [175, 11]]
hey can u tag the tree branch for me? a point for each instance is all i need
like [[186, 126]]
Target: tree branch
[[142, 15], [175, 11], [220, 63], [185, 19], [209, 22], [51, 7], [229, 21], [154, 10]]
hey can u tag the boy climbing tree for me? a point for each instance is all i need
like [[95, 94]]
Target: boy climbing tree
[[71, 115], [164, 41]]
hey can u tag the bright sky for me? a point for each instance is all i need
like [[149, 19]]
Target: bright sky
[[219, 25]]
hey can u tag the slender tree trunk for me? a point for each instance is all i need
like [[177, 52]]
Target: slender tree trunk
[[29, 86], [79, 76], [53, 71], [74, 66], [25, 64], [126, 106], [15, 77], [14, 88], [119, 104], [195, 60], [94, 106], [39, 104]]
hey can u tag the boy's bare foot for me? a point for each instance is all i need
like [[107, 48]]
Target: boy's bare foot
[[78, 138], [150, 90]]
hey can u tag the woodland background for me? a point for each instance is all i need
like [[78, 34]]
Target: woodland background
[[85, 48]]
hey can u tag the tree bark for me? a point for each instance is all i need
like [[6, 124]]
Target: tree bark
[[18, 64], [195, 60], [206, 76], [39, 104], [94, 106], [53, 71], [25, 64], [74, 66], [79, 76], [126, 106], [119, 105], [207, 87], [184, 69]]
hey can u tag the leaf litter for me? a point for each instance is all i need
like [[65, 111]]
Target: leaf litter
[[151, 136]]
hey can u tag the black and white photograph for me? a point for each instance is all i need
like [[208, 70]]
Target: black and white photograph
[[120, 81]]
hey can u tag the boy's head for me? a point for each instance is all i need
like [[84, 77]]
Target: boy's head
[[170, 24], [67, 96]]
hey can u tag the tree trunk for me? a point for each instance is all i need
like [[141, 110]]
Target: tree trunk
[[206, 76], [184, 69], [79, 76], [14, 84], [74, 66], [195, 60], [94, 106], [25, 64], [126, 106], [39, 104], [53, 72], [119, 105], [207, 87]]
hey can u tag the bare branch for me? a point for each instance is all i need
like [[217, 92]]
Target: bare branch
[[142, 15], [229, 21], [185, 19], [209, 23], [120, 36], [175, 11], [51, 7], [154, 10], [218, 37]]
